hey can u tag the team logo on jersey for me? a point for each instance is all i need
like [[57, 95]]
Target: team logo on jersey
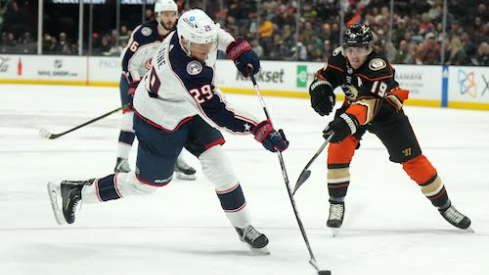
[[194, 67], [377, 64], [146, 31]]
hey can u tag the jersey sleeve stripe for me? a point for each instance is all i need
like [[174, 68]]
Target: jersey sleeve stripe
[[159, 126], [363, 110], [336, 68], [377, 78]]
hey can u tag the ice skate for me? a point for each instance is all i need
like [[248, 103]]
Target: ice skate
[[336, 215], [456, 218], [65, 199], [183, 171], [122, 166], [255, 240]]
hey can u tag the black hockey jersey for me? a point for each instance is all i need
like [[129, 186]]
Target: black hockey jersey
[[365, 88]]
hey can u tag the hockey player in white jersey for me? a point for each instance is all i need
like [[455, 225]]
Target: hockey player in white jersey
[[177, 105], [136, 61]]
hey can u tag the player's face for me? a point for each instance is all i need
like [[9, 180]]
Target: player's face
[[201, 51], [357, 56], [167, 19]]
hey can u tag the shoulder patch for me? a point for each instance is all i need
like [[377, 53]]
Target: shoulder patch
[[194, 67], [377, 64], [146, 31], [336, 51]]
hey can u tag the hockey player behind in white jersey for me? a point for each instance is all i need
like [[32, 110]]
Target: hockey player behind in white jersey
[[136, 61], [177, 105]]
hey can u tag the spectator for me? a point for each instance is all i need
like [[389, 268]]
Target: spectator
[[482, 58], [429, 51], [403, 55], [426, 26], [63, 46], [256, 47], [457, 54]]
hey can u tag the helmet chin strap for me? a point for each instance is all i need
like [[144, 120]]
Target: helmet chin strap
[[185, 47]]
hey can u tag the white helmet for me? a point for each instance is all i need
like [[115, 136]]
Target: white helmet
[[165, 5], [196, 27]]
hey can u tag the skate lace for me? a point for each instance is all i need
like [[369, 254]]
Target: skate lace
[[336, 212], [453, 215], [251, 233]]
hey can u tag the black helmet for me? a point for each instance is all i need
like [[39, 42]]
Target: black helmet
[[358, 35]]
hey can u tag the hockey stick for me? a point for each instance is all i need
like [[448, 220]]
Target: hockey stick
[[312, 261], [46, 134], [306, 172]]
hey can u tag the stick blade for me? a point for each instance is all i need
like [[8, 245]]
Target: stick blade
[[302, 178], [45, 133]]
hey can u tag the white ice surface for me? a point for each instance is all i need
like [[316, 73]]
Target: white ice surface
[[389, 228]]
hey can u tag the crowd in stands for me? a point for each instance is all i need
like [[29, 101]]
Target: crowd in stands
[[415, 37]]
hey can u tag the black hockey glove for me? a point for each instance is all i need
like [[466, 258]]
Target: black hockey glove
[[341, 127], [241, 53], [271, 139], [322, 97]]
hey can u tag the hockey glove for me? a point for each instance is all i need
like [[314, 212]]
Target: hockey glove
[[341, 127], [130, 94], [396, 98], [271, 139], [322, 97], [241, 53], [132, 87]]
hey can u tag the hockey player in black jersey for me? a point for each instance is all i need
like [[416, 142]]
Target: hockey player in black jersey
[[373, 102], [136, 61]]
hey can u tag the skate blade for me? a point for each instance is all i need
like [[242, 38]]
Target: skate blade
[[54, 193], [183, 176], [470, 230], [260, 251], [335, 232]]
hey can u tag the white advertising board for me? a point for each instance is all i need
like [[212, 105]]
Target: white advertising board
[[468, 87], [274, 76], [104, 69], [38, 67], [468, 84], [423, 82]]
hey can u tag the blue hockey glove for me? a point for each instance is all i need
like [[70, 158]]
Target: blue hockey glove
[[241, 53], [271, 139]]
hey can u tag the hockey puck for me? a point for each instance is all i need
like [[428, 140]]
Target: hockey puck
[[324, 272]]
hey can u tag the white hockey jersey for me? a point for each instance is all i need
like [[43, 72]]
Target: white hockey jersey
[[179, 87], [142, 46]]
